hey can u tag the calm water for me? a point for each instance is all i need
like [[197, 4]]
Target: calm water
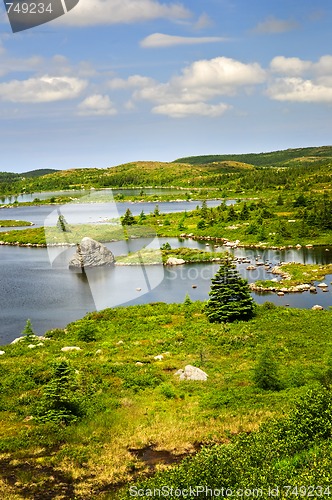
[[36, 282], [80, 192], [96, 212], [52, 296]]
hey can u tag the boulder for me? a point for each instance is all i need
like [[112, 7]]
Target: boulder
[[2, 352], [91, 253], [191, 373], [70, 348], [173, 261], [317, 308]]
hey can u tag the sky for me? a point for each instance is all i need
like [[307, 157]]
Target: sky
[[116, 81]]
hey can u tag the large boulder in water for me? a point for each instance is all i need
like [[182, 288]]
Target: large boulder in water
[[91, 253]]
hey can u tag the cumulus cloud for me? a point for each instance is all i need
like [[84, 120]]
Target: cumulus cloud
[[289, 65], [199, 83], [104, 12], [299, 90], [158, 40], [304, 81], [272, 25], [43, 89], [97, 105], [182, 110], [203, 80]]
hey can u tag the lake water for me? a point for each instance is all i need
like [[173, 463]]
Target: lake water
[[98, 192], [96, 212], [52, 296]]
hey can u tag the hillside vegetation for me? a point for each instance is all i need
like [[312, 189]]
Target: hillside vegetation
[[83, 423], [224, 172], [264, 159]]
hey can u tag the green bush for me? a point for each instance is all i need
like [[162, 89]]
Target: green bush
[[266, 373]]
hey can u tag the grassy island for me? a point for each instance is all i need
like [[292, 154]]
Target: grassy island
[[15, 223]]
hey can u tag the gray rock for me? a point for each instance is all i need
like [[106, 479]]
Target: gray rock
[[191, 373], [91, 253]]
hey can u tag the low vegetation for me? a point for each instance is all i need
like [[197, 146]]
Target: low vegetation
[[14, 223], [83, 423]]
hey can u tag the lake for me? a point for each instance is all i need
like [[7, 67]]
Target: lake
[[52, 296]]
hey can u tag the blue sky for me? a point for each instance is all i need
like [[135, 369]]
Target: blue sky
[[115, 81]]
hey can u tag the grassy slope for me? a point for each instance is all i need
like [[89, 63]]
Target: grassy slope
[[130, 406], [263, 159]]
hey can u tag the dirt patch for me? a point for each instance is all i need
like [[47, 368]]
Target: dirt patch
[[152, 457]]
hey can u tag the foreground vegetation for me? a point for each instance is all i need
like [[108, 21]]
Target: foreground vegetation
[[82, 423]]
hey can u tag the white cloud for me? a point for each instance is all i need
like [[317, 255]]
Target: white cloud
[[97, 105], [181, 110], [272, 25], [162, 40], [221, 75], [204, 80], [131, 82], [290, 65], [43, 89], [12, 64], [104, 12], [299, 90]]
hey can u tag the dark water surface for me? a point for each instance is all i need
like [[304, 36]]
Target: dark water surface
[[53, 296], [36, 283]]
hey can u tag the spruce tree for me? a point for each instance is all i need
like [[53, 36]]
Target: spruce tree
[[230, 297], [128, 218]]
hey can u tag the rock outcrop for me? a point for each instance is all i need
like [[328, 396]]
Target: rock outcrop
[[91, 253], [192, 373]]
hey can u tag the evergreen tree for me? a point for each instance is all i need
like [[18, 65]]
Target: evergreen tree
[[141, 217], [230, 297], [28, 332], [128, 218], [204, 209]]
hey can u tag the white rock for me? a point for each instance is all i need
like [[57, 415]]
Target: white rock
[[70, 348], [18, 339], [159, 357], [322, 285], [191, 373], [2, 352], [139, 363], [173, 261], [317, 308], [32, 346]]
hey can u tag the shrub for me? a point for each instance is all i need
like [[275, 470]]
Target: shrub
[[266, 373]]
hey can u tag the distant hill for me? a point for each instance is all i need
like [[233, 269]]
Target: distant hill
[[274, 158], [38, 172]]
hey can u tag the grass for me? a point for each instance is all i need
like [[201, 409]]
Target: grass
[[14, 223], [130, 405]]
